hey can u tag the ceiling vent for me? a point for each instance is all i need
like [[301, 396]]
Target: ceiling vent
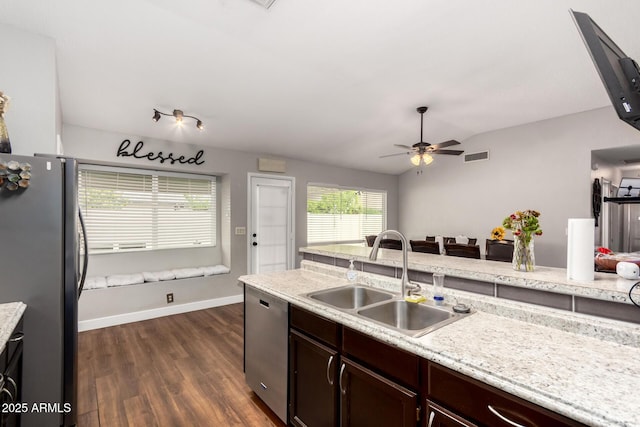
[[265, 3], [476, 157], [631, 161]]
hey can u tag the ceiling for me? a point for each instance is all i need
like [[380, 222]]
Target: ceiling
[[329, 81]]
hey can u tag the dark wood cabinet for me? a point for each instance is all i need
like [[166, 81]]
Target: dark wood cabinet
[[314, 357], [370, 399], [313, 379], [11, 379], [398, 365], [338, 376], [486, 405], [437, 416], [342, 377]]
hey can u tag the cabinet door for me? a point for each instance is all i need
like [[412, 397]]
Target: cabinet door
[[368, 399], [313, 397], [437, 416]]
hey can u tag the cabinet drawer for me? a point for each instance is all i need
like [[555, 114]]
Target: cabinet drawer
[[325, 330], [437, 416], [485, 404], [391, 361]]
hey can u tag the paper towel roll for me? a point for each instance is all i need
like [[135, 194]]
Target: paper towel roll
[[580, 245]]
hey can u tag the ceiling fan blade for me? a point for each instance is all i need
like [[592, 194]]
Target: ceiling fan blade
[[403, 146], [396, 154], [448, 143], [451, 152]]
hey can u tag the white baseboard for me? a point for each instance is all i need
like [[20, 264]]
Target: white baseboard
[[136, 316]]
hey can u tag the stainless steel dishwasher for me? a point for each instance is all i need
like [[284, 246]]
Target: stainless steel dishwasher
[[266, 348]]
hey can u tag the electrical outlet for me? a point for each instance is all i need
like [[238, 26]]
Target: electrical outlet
[[169, 298]]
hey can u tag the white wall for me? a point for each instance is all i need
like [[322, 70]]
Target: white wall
[[233, 166], [544, 166], [28, 75]]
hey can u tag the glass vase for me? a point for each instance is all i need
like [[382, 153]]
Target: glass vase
[[523, 255], [5, 144]]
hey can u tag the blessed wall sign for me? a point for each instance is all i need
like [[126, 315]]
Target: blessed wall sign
[[138, 152]]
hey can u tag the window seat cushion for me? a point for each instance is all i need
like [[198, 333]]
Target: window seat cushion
[[102, 282]]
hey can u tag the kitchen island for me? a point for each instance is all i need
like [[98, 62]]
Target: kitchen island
[[579, 366], [607, 295]]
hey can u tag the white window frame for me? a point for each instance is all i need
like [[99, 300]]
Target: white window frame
[[356, 239], [153, 217]]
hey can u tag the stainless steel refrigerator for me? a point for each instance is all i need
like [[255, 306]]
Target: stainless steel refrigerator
[[40, 265]]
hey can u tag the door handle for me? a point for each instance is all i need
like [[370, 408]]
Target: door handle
[[503, 418], [432, 415], [329, 380], [343, 391], [255, 243], [17, 337]]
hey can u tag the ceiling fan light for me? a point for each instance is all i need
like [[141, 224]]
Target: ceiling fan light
[[415, 159], [427, 159]]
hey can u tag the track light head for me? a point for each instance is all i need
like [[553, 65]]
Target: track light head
[[179, 116]]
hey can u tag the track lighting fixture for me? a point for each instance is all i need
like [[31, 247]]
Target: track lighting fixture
[[179, 116]]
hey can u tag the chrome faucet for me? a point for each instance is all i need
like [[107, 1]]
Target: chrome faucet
[[404, 281]]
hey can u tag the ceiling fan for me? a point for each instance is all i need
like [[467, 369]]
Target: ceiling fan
[[420, 152]]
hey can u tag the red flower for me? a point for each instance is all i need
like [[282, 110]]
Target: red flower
[[513, 216], [517, 233], [605, 251], [538, 233]]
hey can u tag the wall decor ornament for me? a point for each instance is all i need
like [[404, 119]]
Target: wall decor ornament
[[5, 144], [14, 175], [137, 153]]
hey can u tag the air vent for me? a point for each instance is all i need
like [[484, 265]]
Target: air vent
[[631, 161], [476, 157], [265, 3]]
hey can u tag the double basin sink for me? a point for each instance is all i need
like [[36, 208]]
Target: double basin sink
[[387, 309]]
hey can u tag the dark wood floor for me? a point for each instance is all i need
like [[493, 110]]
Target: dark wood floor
[[182, 370]]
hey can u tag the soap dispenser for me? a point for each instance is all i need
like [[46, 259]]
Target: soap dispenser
[[352, 274]]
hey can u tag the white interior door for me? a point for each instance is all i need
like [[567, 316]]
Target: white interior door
[[271, 231]]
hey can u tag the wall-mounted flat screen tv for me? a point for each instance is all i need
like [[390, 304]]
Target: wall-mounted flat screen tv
[[618, 72]]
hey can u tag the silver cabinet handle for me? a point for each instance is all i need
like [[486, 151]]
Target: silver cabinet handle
[[343, 391], [503, 418], [15, 386], [17, 337], [329, 380], [432, 415], [4, 390]]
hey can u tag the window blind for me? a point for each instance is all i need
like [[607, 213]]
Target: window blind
[[340, 215], [127, 211]]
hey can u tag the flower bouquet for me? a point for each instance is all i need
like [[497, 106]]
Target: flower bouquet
[[524, 225]]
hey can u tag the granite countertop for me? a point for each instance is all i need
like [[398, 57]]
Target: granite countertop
[[10, 315], [605, 286], [591, 380]]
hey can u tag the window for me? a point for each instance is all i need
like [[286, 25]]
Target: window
[[131, 210], [340, 215]]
